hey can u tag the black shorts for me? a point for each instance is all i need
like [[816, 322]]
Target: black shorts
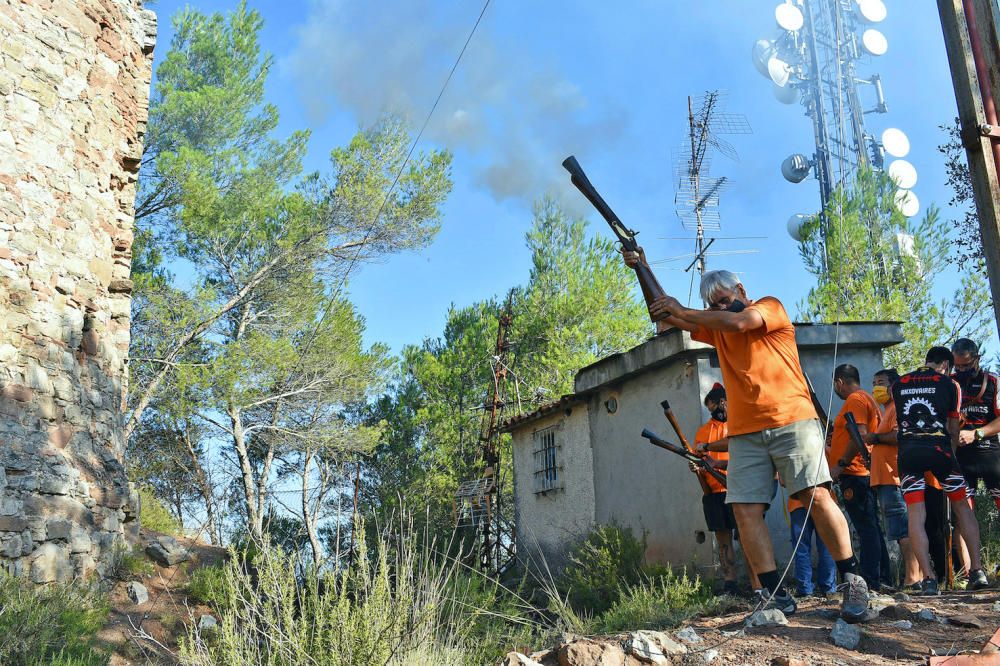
[[976, 464], [718, 514], [916, 459]]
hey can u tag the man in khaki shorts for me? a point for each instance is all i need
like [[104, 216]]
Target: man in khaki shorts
[[772, 427]]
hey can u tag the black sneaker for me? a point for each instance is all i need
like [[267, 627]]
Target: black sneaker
[[977, 579], [929, 588], [783, 602], [854, 605]]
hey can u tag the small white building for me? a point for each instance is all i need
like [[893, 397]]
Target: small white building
[[580, 462]]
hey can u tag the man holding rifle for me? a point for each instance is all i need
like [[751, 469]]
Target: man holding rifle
[[712, 441], [772, 426], [848, 469]]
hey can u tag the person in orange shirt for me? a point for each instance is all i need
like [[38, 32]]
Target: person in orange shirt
[[773, 427], [885, 475], [850, 472], [712, 440]]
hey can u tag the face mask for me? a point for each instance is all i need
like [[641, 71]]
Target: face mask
[[736, 306], [881, 394], [719, 415], [965, 375]]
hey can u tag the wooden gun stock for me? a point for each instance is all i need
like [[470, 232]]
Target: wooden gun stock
[[651, 289], [683, 453], [680, 435]]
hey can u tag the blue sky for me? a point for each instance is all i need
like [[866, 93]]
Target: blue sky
[[607, 82]]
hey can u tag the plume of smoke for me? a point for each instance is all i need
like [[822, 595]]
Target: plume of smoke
[[516, 116]]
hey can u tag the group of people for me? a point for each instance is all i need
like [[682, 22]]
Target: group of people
[[944, 444], [912, 428]]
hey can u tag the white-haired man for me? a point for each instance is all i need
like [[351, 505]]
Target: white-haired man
[[773, 426]]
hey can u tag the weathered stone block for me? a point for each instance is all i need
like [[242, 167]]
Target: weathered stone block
[[12, 524], [50, 563], [58, 529], [166, 552]]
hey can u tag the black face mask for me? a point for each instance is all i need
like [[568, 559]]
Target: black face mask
[[966, 375], [736, 306], [720, 415]]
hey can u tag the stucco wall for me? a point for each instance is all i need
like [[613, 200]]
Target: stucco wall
[[652, 491], [547, 523], [74, 88], [641, 486]]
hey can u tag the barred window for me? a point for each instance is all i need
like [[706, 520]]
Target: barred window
[[548, 463]]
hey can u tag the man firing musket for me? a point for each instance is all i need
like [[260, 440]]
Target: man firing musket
[[772, 423], [772, 426]]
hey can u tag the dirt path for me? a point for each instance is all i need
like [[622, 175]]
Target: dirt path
[[807, 636], [149, 633]]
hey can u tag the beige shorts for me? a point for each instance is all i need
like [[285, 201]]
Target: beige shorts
[[795, 451]]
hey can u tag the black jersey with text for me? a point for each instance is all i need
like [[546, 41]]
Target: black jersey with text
[[925, 400], [980, 404]]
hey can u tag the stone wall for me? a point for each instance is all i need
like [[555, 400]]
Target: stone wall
[[74, 89]]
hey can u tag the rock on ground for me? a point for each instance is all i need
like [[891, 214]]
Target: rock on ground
[[688, 635], [207, 623], [591, 653], [166, 552], [137, 593], [772, 617], [901, 624], [518, 659], [845, 635]]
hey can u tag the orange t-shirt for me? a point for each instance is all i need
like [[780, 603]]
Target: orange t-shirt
[[713, 431], [765, 387], [885, 457], [866, 413], [794, 504]]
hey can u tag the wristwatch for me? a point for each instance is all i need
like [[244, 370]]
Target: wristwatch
[[980, 434]]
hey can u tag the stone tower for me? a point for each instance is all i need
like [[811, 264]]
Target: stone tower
[[74, 94]]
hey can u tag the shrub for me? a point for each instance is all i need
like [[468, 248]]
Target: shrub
[[656, 602], [599, 566], [388, 607], [128, 563], [153, 515], [51, 625], [208, 585]]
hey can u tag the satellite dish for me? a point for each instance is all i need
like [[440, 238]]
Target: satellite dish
[[789, 17], [874, 42], [872, 11], [779, 71], [763, 50], [795, 168], [906, 202], [903, 173], [895, 142], [795, 224], [786, 94]]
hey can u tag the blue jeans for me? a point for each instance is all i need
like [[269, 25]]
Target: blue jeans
[[826, 570], [859, 501]]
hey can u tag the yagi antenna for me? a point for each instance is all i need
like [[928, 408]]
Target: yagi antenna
[[697, 192]]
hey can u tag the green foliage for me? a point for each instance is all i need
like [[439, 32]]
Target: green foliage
[[257, 350], [385, 609], [41, 626], [967, 240], [578, 305], [656, 602], [128, 563], [863, 272], [153, 515], [604, 563], [208, 585]]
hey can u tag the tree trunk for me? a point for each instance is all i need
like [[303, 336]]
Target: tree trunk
[[205, 489], [308, 517], [255, 517]]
